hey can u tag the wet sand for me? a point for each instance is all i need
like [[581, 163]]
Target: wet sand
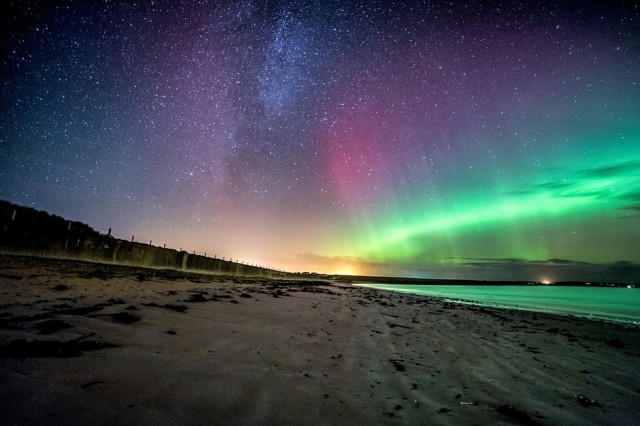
[[84, 343]]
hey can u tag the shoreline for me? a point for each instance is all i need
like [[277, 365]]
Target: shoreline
[[612, 319], [86, 343]]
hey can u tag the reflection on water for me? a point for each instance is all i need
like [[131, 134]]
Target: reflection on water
[[613, 303]]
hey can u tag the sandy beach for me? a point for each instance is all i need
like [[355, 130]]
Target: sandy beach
[[84, 343]]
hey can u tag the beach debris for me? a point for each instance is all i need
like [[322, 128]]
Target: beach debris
[[512, 412], [587, 402], [51, 326], [171, 332], [88, 385], [36, 317], [217, 297], [11, 276], [279, 293], [397, 365], [393, 325], [61, 306], [533, 350], [468, 403], [393, 413], [125, 318], [83, 310], [21, 348], [178, 308], [99, 274], [196, 298], [246, 295], [61, 287], [131, 308], [442, 410], [615, 342]]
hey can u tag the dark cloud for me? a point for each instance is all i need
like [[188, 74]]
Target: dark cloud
[[613, 170], [555, 269], [516, 260], [616, 181]]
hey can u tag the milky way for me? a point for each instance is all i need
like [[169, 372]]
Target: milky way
[[469, 139]]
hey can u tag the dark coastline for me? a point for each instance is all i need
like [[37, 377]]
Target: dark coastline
[[424, 281]]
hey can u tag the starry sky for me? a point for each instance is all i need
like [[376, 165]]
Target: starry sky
[[438, 139]]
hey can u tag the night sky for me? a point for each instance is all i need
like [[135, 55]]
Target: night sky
[[476, 139]]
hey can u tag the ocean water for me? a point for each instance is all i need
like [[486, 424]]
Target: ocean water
[[610, 303]]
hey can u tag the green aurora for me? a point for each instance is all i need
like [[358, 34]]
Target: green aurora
[[580, 215]]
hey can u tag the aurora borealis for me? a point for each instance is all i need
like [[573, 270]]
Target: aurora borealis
[[432, 139]]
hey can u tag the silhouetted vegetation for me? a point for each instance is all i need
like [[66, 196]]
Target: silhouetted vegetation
[[31, 232]]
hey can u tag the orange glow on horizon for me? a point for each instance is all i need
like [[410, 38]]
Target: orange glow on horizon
[[346, 270]]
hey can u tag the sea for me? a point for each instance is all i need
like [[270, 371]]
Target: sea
[[618, 304]]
